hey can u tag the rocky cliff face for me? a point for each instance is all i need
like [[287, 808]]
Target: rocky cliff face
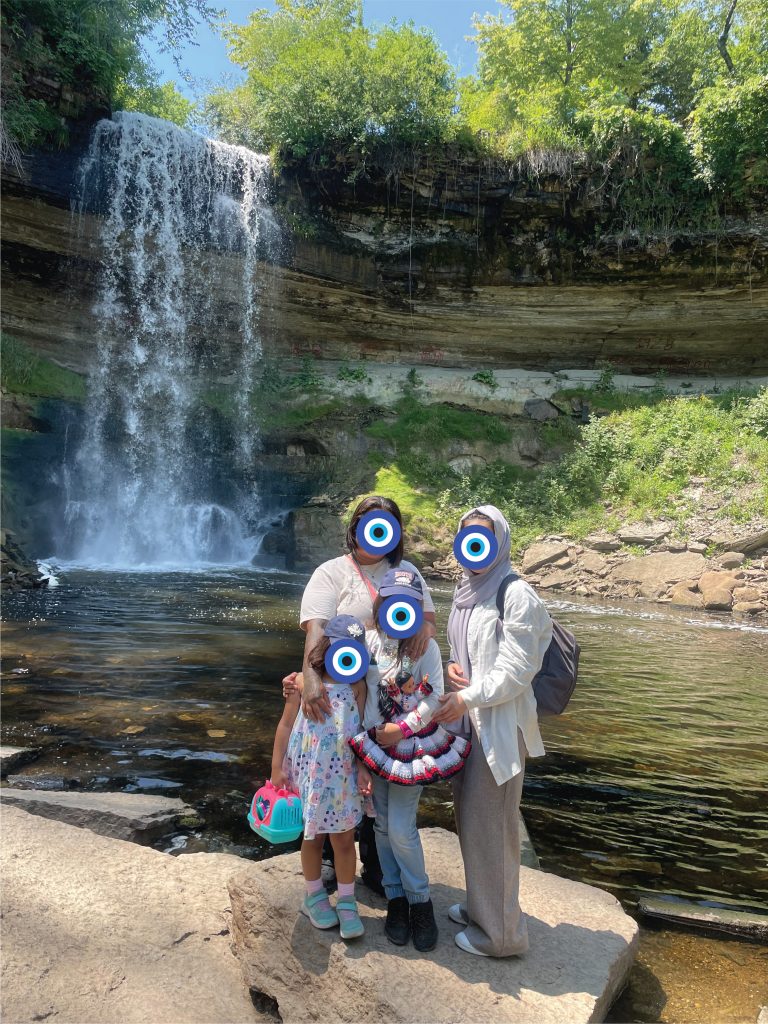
[[450, 266]]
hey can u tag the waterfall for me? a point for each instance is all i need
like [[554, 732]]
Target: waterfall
[[181, 216]]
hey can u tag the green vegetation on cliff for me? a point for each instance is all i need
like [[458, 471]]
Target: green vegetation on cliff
[[26, 373], [59, 55], [666, 99], [630, 463]]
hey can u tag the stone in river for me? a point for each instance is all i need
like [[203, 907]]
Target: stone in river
[[542, 554], [13, 757], [97, 930], [717, 599], [136, 817], [748, 608], [582, 947], [659, 568]]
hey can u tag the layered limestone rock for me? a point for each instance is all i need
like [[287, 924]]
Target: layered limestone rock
[[582, 947], [481, 269]]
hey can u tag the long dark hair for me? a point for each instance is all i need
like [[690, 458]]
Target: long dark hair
[[375, 502], [316, 657]]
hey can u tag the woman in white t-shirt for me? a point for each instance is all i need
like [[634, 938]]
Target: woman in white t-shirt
[[348, 585]]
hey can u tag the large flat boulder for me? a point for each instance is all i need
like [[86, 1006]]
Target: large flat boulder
[[96, 931], [660, 569], [582, 947], [136, 817]]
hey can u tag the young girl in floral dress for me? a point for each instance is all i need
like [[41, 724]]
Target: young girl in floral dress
[[314, 759]]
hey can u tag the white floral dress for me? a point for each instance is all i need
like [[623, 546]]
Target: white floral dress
[[321, 767]]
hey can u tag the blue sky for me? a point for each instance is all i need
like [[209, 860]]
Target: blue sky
[[450, 20]]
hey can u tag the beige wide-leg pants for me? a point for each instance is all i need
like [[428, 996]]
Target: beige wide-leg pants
[[487, 820]]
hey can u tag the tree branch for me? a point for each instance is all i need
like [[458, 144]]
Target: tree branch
[[722, 39]]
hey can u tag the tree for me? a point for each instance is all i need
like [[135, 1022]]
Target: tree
[[318, 81], [96, 45]]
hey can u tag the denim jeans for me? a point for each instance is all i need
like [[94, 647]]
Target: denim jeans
[[398, 841]]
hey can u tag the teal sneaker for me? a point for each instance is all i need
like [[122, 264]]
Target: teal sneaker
[[318, 909], [350, 925]]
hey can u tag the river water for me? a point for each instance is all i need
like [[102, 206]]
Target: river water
[[655, 779]]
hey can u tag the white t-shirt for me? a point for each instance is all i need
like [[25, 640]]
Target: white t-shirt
[[336, 588], [384, 667]]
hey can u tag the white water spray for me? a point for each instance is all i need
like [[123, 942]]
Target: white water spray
[[183, 216]]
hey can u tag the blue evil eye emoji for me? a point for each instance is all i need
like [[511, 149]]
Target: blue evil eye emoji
[[401, 617], [475, 547], [346, 661], [378, 533]]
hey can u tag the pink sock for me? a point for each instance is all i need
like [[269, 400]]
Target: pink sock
[[346, 891], [313, 887]]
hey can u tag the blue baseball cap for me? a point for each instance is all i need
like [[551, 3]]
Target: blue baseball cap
[[345, 627], [401, 582]]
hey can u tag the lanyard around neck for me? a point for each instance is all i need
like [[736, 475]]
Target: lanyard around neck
[[371, 589]]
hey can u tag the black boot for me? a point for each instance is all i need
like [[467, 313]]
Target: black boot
[[398, 926], [423, 926]]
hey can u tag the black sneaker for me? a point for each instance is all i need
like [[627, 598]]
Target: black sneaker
[[423, 926], [398, 926]]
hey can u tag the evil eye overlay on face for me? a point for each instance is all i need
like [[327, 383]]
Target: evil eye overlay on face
[[346, 661], [475, 547], [378, 533], [401, 617]]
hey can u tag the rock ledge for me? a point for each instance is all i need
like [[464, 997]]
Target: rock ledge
[[582, 947]]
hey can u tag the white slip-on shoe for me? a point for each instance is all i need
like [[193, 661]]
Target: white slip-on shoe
[[463, 942], [458, 914]]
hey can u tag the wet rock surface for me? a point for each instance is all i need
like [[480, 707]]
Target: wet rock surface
[[96, 930], [582, 946], [135, 817], [14, 757], [17, 571]]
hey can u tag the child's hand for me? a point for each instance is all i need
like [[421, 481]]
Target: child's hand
[[279, 779], [364, 781], [292, 683], [389, 734]]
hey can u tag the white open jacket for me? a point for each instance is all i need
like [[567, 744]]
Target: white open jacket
[[504, 661]]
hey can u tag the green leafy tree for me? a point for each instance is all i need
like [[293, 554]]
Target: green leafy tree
[[160, 99], [318, 81], [90, 46], [729, 136]]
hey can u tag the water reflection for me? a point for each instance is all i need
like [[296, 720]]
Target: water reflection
[[655, 779]]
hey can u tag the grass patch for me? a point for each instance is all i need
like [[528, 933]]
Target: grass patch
[[432, 425], [633, 463], [26, 373]]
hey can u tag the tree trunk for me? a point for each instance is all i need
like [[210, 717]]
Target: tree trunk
[[722, 39]]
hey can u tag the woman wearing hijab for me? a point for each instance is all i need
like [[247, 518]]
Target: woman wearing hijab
[[493, 663]]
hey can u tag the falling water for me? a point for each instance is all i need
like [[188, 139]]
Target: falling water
[[182, 217]]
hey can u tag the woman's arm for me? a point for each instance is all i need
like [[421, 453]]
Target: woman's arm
[[282, 735], [316, 704], [527, 634], [360, 690]]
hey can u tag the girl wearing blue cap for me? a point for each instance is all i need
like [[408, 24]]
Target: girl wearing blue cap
[[314, 759]]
